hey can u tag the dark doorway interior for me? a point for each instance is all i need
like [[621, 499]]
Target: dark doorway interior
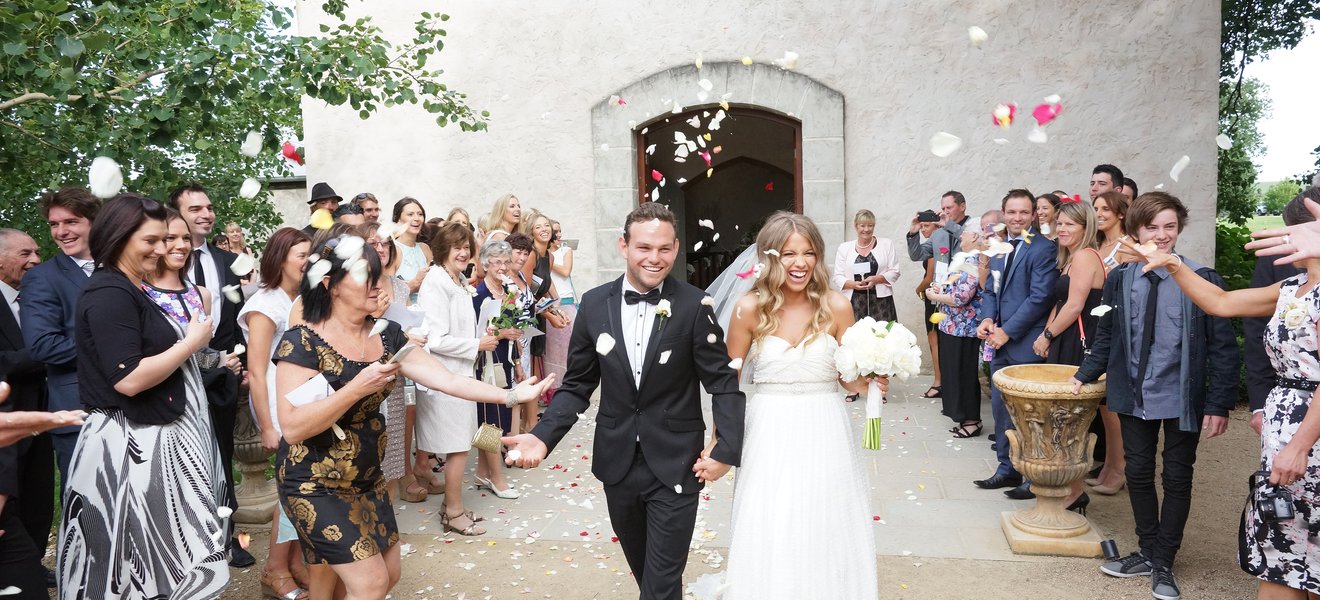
[[754, 170]]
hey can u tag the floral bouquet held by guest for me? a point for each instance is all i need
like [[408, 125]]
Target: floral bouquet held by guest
[[876, 349], [513, 315]]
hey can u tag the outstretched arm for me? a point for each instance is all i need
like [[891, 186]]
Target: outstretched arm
[[1213, 299]]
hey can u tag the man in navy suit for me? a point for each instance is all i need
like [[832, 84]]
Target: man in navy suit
[[210, 269], [48, 296], [1014, 306]]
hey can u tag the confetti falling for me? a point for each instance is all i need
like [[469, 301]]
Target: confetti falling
[[1223, 141], [250, 188], [1101, 310], [604, 344], [1178, 167], [942, 144], [251, 146], [104, 178], [243, 265], [977, 35]]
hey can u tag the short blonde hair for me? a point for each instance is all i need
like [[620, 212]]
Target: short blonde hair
[[864, 216]]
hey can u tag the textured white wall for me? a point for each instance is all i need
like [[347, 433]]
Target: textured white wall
[[1138, 81]]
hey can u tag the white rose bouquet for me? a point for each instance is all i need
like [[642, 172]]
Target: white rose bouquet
[[873, 348]]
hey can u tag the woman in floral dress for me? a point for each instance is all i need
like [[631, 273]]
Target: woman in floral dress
[[959, 299]]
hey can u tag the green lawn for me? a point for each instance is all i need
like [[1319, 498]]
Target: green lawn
[[1264, 222]]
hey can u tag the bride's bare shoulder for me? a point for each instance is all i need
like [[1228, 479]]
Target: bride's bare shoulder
[[836, 302]]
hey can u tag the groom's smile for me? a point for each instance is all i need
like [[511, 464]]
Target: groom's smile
[[650, 248]]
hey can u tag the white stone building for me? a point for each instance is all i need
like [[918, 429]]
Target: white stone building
[[847, 128]]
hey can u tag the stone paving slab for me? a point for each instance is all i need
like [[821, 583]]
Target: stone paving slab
[[920, 484]]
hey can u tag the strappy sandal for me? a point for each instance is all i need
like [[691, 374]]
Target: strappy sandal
[[270, 583], [934, 388], [470, 530], [965, 431], [426, 480]]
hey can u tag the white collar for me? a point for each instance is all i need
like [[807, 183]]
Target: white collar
[[9, 292], [627, 287], [204, 249]]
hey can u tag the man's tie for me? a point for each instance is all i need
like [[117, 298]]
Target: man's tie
[[1148, 327], [651, 297], [1008, 262], [88, 267], [18, 320], [199, 274]]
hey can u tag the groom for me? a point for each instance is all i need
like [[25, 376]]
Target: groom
[[646, 337]]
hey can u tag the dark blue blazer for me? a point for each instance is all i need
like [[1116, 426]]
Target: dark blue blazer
[[1021, 301], [47, 296]]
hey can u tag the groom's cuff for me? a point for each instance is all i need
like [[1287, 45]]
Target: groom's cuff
[[730, 458]]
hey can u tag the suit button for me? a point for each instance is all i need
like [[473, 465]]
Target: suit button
[[638, 411]]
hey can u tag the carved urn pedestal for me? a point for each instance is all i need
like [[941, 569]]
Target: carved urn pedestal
[[1051, 448], [256, 494]]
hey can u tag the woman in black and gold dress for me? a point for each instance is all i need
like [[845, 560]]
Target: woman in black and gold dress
[[329, 462]]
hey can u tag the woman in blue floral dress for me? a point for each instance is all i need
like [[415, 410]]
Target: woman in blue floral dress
[[959, 298]]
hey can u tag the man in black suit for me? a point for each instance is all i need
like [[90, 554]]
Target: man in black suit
[[649, 341], [210, 269], [27, 473]]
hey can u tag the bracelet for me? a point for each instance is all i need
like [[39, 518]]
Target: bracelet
[[511, 398], [1180, 265]]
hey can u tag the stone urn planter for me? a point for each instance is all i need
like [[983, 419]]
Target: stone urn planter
[[1052, 448], [256, 495]]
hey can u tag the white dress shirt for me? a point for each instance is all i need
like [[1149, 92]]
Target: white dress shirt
[[86, 264], [213, 281], [638, 322], [11, 299]]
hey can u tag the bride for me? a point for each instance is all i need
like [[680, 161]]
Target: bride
[[801, 523]]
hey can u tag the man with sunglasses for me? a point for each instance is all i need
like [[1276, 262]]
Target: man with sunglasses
[[369, 205]]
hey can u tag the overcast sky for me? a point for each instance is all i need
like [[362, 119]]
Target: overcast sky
[[1292, 130]]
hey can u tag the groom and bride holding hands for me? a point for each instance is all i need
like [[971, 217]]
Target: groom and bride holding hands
[[801, 525]]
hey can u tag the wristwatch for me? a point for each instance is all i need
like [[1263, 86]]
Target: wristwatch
[[1049, 335]]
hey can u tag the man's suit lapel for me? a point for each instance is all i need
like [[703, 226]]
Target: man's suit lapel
[[71, 270], [657, 330], [9, 328], [620, 351], [1019, 257]]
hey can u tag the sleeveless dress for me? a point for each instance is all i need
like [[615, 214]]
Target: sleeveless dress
[[864, 302], [140, 506], [1066, 348], [333, 489], [801, 523], [1286, 552]]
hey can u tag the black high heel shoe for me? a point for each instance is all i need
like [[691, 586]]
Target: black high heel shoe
[[1079, 505]]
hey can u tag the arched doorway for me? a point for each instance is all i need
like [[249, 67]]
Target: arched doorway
[[722, 172], [620, 175]]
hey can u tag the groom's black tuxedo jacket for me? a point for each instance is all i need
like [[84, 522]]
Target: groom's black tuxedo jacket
[[663, 414]]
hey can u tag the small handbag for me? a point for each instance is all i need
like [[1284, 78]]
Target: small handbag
[[492, 371]]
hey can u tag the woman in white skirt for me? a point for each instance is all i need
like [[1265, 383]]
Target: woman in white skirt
[[445, 425]]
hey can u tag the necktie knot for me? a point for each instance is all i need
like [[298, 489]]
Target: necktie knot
[[1153, 278], [651, 297]]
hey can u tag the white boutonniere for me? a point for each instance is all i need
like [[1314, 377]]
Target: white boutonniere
[[471, 291], [1293, 315], [662, 310]]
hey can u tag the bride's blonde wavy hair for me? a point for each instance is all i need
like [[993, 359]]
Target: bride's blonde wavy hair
[[769, 295]]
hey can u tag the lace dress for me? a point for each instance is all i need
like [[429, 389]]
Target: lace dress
[[1286, 552], [801, 524]]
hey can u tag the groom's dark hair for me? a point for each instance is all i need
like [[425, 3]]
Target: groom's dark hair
[[648, 211]]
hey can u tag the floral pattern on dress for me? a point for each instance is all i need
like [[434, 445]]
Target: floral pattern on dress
[[960, 318], [180, 305], [1285, 552]]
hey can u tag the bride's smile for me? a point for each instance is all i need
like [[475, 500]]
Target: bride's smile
[[799, 261]]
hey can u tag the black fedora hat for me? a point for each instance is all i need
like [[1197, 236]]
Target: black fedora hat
[[321, 191]]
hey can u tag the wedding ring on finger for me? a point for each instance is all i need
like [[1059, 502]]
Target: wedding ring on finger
[[1287, 239]]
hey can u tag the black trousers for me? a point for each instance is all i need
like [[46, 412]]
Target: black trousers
[[20, 558], [960, 370], [654, 524], [1159, 528]]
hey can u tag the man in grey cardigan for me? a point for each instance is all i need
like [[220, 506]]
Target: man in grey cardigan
[[953, 217], [1170, 367]]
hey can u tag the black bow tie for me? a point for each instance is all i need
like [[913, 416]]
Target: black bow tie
[[651, 297]]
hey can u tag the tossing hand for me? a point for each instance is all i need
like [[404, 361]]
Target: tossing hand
[[525, 450]]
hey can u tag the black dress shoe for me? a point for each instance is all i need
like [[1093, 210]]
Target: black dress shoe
[[238, 557], [1021, 492], [998, 480], [50, 579], [990, 437]]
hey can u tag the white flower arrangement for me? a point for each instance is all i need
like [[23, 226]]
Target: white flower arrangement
[[1293, 315], [873, 348]]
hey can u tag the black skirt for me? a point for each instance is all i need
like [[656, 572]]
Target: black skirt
[[960, 370]]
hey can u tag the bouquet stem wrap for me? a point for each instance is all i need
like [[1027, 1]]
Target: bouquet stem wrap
[[875, 401]]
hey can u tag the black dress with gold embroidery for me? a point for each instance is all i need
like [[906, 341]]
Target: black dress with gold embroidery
[[333, 489]]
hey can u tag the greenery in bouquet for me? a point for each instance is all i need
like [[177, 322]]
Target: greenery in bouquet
[[512, 315], [873, 348]]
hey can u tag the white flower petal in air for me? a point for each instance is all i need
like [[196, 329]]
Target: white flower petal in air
[[1101, 310], [1037, 136], [604, 344], [736, 364], [702, 95], [515, 455], [708, 301], [358, 271], [1223, 141], [698, 63], [1178, 167], [696, 246], [788, 62], [711, 338], [943, 144], [1053, 99], [317, 271], [705, 84], [707, 223], [977, 35], [379, 326], [650, 150], [350, 247], [250, 188], [999, 227], [223, 512], [695, 121], [664, 356], [678, 488], [1045, 228], [243, 265], [1001, 141], [678, 108], [771, 252], [104, 177], [715, 238], [387, 229], [233, 293], [238, 349], [251, 144]]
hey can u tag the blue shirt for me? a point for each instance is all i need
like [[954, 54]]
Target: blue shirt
[[1160, 396]]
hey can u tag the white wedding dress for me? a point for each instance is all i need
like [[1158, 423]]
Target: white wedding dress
[[802, 525]]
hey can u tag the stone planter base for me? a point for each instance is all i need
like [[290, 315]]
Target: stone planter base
[[1085, 545]]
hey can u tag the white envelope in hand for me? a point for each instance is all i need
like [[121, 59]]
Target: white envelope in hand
[[316, 389]]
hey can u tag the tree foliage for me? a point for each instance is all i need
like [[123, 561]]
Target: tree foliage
[[1237, 173], [1279, 195], [170, 88], [1253, 28]]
